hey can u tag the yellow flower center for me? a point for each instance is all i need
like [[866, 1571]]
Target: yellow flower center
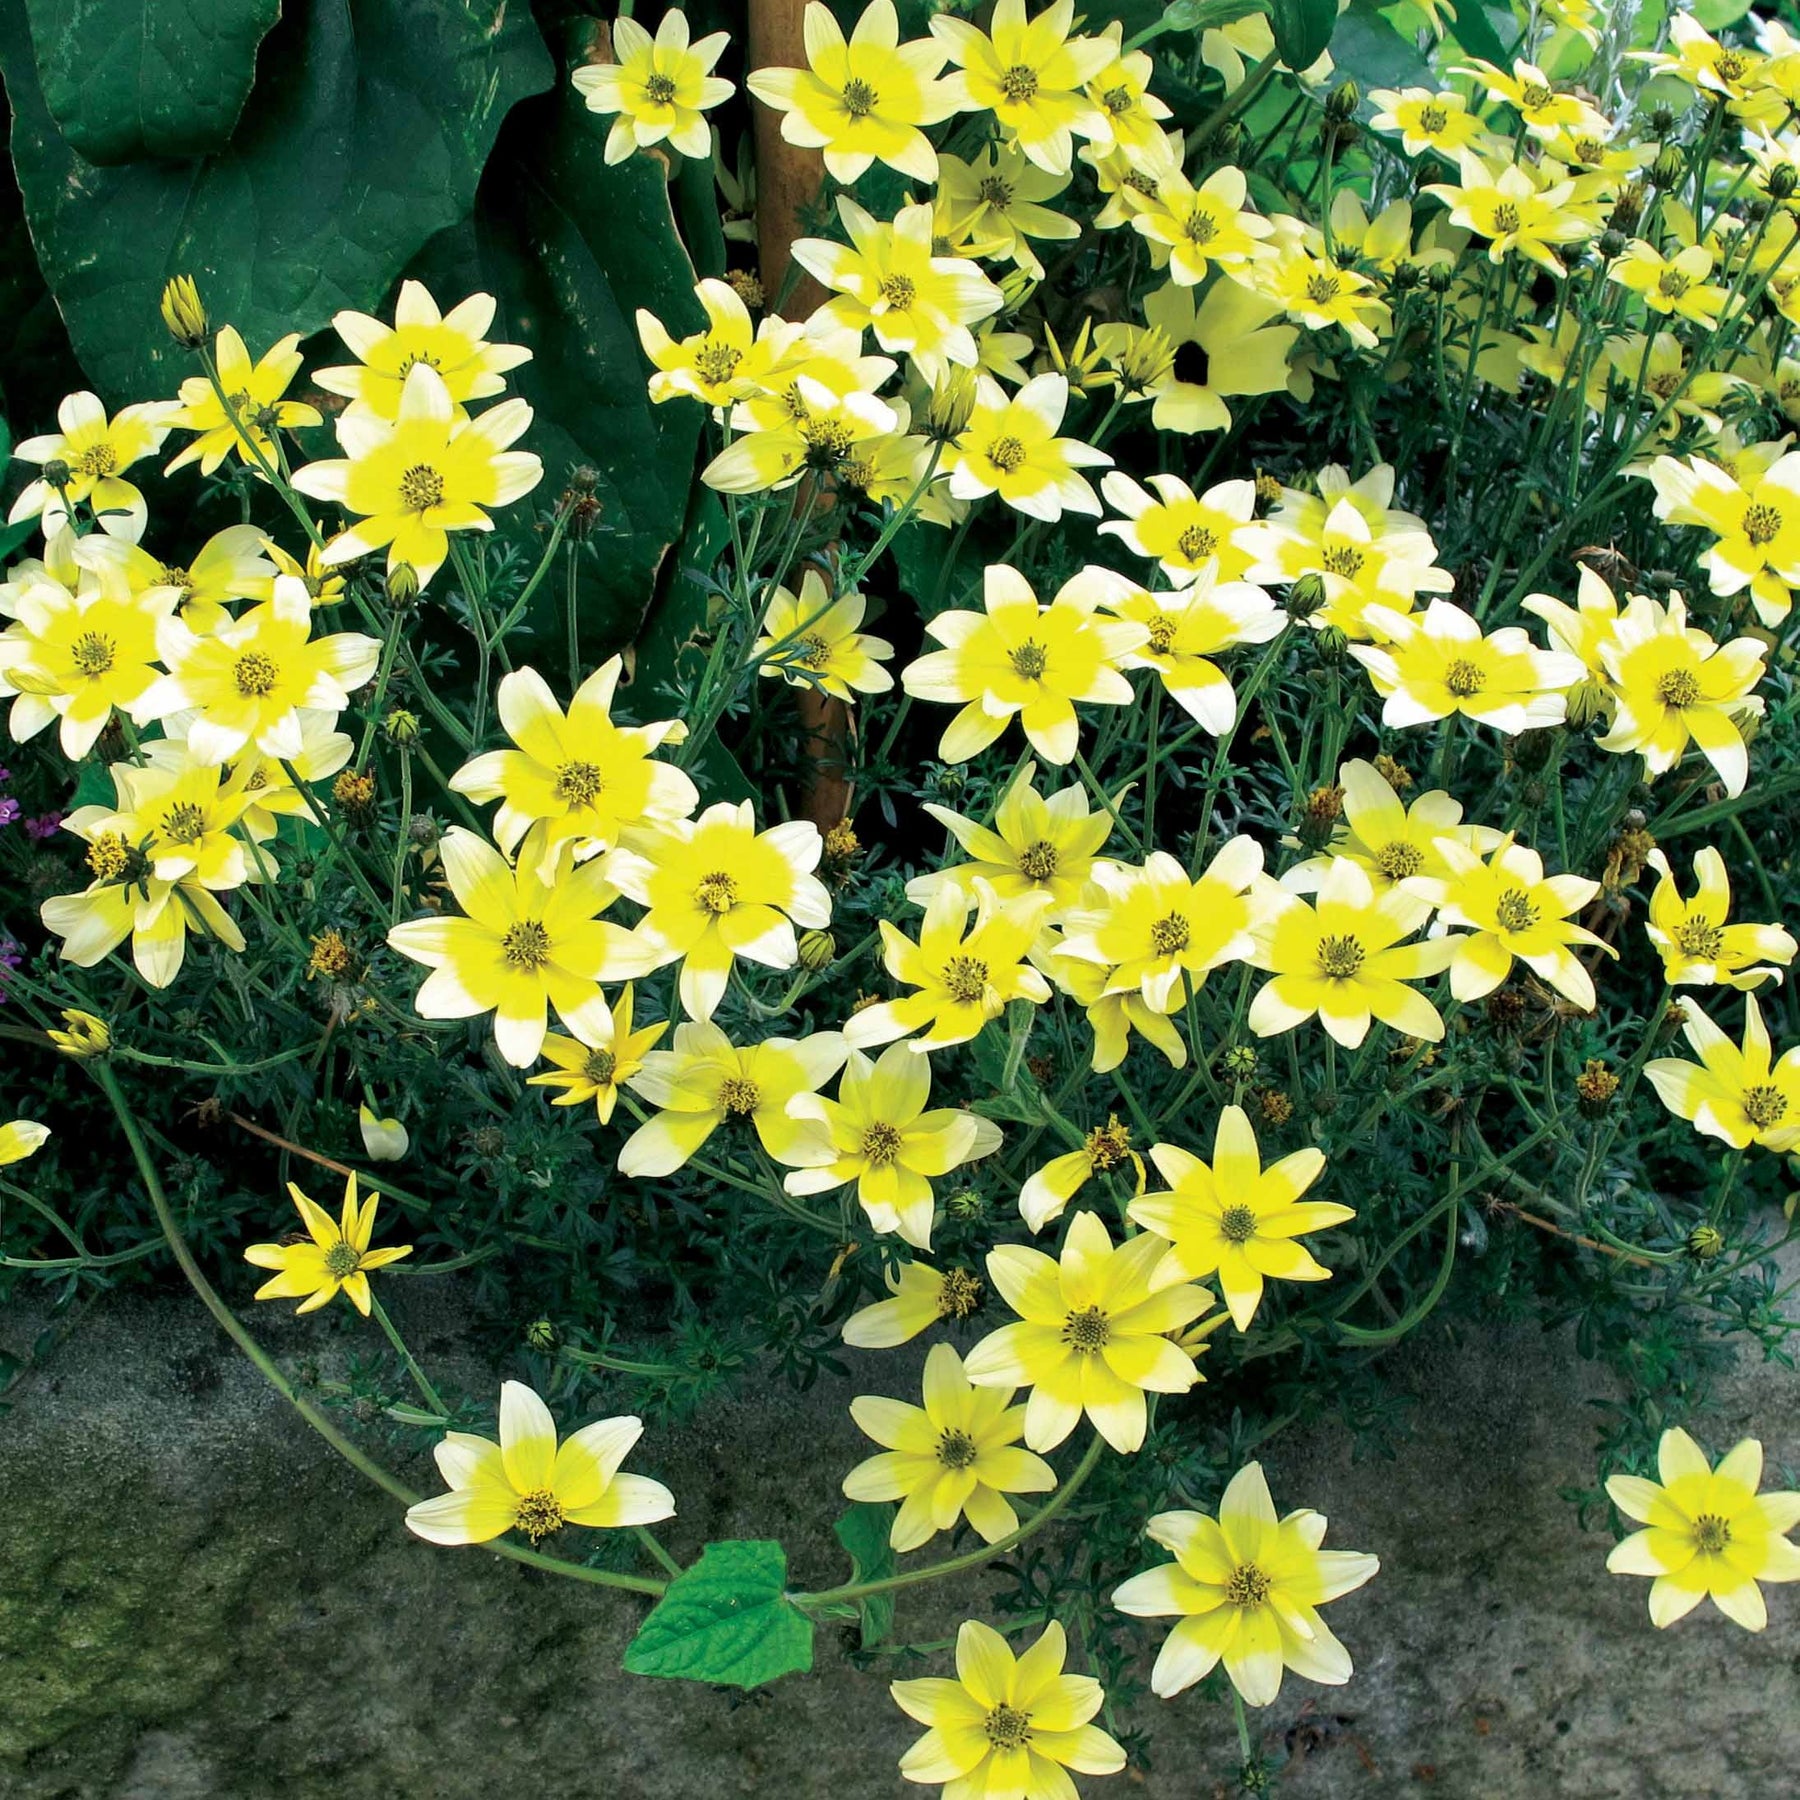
[[1162, 635], [881, 1144], [1465, 678], [739, 1096], [899, 292], [815, 651], [715, 362], [959, 1294], [342, 1259], [1170, 934], [1711, 1534], [1506, 218], [1029, 660], [1399, 859], [1086, 1332], [1762, 523], [1514, 911], [1343, 559], [1118, 100], [92, 654], [1247, 1585], [577, 783], [1200, 227], [184, 823], [1322, 288], [716, 894], [600, 1067], [1678, 688], [1534, 93], [421, 488], [109, 856], [859, 99], [1197, 542], [526, 945], [176, 578], [1765, 1106], [1007, 454], [538, 1514], [1007, 1728], [96, 460], [1237, 1224], [659, 90], [1039, 861], [1731, 65], [828, 441], [965, 979], [1433, 118], [1108, 1145], [1699, 937], [1672, 284], [995, 192], [956, 1449], [255, 675], [1340, 958], [1019, 84]]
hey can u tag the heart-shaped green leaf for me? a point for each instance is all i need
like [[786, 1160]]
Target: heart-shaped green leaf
[[726, 1620]]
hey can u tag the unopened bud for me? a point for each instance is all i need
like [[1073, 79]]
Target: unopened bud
[[1612, 243], [1668, 169], [185, 314], [1341, 103], [1332, 644], [818, 950], [1439, 277], [540, 1335], [401, 726], [1662, 121], [1406, 277], [402, 586], [58, 473], [1705, 1242], [1782, 181], [1306, 596]]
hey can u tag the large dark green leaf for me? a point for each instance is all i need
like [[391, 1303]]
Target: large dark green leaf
[[864, 1531], [1373, 54], [1302, 29], [726, 1620], [130, 78], [365, 135], [1474, 30]]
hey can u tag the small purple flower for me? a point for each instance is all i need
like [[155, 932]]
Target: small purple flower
[[5, 776], [46, 825], [9, 809]]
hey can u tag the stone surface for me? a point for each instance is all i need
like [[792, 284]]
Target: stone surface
[[197, 1599]]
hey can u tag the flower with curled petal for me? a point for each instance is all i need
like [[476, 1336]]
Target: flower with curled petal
[[1742, 1095], [1697, 946], [21, 1138]]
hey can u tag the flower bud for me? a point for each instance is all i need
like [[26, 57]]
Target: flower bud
[[1783, 179], [1240, 1063], [818, 950], [1332, 644], [184, 313], [540, 1335], [1662, 121], [1439, 277], [1341, 103], [1305, 597], [1705, 1242], [83, 1035], [402, 586], [1406, 277], [1613, 243], [58, 473], [1668, 169], [401, 726]]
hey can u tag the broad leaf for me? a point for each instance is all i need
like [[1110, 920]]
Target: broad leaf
[[1473, 29], [1302, 29], [130, 78], [1373, 54], [726, 1620], [863, 1531], [365, 135]]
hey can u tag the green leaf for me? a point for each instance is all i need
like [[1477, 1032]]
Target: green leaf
[[1715, 15], [863, 1531], [131, 78], [726, 1620], [1208, 15], [1302, 29], [1373, 54], [365, 135], [1473, 29]]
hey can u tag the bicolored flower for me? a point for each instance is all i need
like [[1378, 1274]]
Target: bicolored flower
[[333, 1259], [659, 89], [252, 411], [1740, 1094], [1698, 947], [1010, 447], [87, 453]]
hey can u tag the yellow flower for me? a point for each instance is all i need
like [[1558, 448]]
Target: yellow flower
[[706, 1081], [955, 1457], [1159, 931], [429, 470], [23, 1137], [1318, 293], [1048, 1191], [529, 1482], [1737, 1093], [454, 343], [861, 101], [992, 207], [269, 796], [659, 87], [1199, 228], [1113, 1017], [1530, 93], [248, 683], [596, 1070], [177, 815], [87, 452], [1707, 1532], [574, 778], [814, 641], [1017, 658], [727, 362], [1029, 75], [1185, 533], [1440, 663], [1698, 948], [1509, 908], [1512, 211], [1247, 1588], [1006, 1725], [1427, 120], [1706, 65], [83, 1035], [1010, 448], [1121, 90], [521, 946], [1343, 960], [76, 653], [717, 889], [336, 1260], [1092, 1337], [964, 973], [1676, 684], [1583, 631], [1036, 846], [888, 281], [238, 563], [1674, 285], [815, 430], [922, 1296], [878, 1134], [1236, 1219], [252, 411], [1755, 517]]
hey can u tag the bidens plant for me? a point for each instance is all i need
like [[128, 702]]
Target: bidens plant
[[1145, 837]]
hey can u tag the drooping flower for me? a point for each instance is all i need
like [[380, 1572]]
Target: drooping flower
[[454, 343], [20, 1138], [1092, 1336], [1048, 1191], [716, 889], [252, 411], [1006, 1725], [1697, 946], [334, 1258], [530, 1483], [1740, 1094], [584, 1071], [1020, 658], [1236, 1219], [87, 452], [521, 946], [957, 1456], [659, 89], [878, 1134], [426, 472], [574, 778], [921, 1297], [1010, 447], [705, 1081], [1246, 1587], [125, 900], [1707, 1531]]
